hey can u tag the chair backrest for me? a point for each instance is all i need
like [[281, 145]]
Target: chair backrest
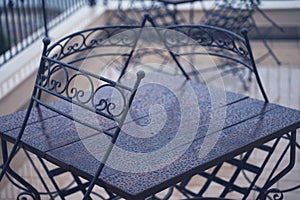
[[230, 14], [232, 50], [130, 12], [94, 43], [58, 76], [64, 74]]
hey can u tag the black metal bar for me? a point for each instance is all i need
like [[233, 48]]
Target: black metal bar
[[20, 25], [45, 17], [245, 33], [24, 123], [140, 76], [147, 17], [25, 18], [2, 38], [11, 6], [272, 180], [266, 160], [31, 21], [39, 174], [235, 175], [29, 189], [21, 20], [51, 178], [93, 2], [133, 49], [35, 18], [7, 27], [4, 150], [18, 139], [270, 52]]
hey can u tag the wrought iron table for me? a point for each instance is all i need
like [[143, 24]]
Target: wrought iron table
[[166, 158]]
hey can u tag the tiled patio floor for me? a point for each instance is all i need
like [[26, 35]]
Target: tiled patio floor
[[282, 84]]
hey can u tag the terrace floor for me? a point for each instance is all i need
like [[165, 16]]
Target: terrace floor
[[282, 84]]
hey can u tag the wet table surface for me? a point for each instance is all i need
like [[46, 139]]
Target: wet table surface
[[172, 131]]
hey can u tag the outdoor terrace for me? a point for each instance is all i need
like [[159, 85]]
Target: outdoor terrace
[[281, 83]]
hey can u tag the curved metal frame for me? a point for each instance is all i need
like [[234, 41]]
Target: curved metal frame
[[226, 44]]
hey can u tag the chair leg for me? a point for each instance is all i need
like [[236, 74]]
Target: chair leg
[[274, 178], [29, 189], [7, 159], [270, 51], [16, 144]]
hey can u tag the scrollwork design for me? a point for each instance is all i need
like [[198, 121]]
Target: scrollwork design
[[239, 47], [242, 51], [25, 196], [73, 44], [201, 36], [76, 94], [123, 37], [96, 38], [173, 39], [56, 52], [92, 38], [230, 47], [114, 109], [78, 86], [55, 84], [276, 194], [232, 43], [223, 40], [129, 37], [209, 36]]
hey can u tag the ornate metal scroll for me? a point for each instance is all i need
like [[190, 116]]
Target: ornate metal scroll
[[216, 42], [92, 38]]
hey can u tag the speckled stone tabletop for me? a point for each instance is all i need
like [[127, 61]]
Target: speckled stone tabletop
[[247, 123]]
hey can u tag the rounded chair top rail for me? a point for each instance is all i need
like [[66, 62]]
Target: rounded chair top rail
[[244, 31], [89, 31], [128, 27]]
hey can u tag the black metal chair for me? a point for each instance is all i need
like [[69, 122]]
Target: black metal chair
[[64, 67], [187, 45], [131, 12], [237, 14], [231, 53], [229, 14], [233, 15]]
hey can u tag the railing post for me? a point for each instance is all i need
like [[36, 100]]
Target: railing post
[[92, 2], [2, 39], [45, 17]]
